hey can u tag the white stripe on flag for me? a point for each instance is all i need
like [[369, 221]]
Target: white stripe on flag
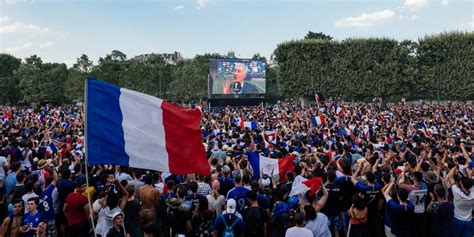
[[269, 164], [143, 121]]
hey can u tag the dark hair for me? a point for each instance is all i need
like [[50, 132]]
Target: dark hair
[[18, 200], [252, 195], [299, 218], [28, 187], [20, 177], [466, 182], [66, 174], [402, 194], [193, 186], [170, 185], [358, 202], [181, 191], [138, 173], [290, 176], [35, 199], [332, 175], [152, 228], [371, 177], [440, 190], [418, 176], [15, 166], [346, 168], [112, 199], [148, 179], [310, 212]]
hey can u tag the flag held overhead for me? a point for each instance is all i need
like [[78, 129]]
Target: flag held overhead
[[128, 128]]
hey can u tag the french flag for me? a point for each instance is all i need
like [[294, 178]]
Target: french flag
[[51, 149], [302, 185], [339, 111], [425, 128], [40, 117], [325, 134], [317, 98], [318, 120], [65, 125], [270, 135], [279, 166], [5, 117], [248, 124], [128, 128]]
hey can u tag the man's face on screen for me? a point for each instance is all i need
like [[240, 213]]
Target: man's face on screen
[[239, 73]]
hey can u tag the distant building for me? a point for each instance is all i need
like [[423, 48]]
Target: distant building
[[170, 58], [231, 54]]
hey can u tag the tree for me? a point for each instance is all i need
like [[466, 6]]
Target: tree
[[317, 35], [41, 81], [74, 85], [8, 83]]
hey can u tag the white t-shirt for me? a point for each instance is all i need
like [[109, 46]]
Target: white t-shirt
[[298, 232], [216, 203], [463, 203], [25, 163], [104, 218], [3, 162]]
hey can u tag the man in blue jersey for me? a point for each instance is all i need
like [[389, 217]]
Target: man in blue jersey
[[46, 206], [32, 219], [239, 193], [398, 213], [370, 191]]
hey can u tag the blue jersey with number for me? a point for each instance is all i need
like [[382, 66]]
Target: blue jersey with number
[[46, 203], [240, 196]]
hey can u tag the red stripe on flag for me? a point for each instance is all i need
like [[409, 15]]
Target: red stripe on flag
[[186, 153], [285, 165]]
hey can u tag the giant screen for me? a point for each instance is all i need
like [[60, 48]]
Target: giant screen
[[237, 76]]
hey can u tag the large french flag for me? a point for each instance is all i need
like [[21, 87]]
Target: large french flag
[[279, 166], [128, 128], [318, 120]]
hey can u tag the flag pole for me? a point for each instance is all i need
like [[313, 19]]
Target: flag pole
[[86, 154]]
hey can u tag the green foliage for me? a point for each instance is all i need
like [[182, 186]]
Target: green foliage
[[40, 82], [8, 83], [358, 69], [317, 35], [191, 78]]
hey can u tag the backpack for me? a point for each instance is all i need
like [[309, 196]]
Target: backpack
[[229, 230], [253, 218]]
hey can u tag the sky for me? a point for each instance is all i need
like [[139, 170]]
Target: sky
[[63, 30]]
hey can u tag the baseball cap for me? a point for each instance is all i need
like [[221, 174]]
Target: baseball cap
[[231, 206]]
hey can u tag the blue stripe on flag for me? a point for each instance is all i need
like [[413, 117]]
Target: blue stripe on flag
[[313, 121], [254, 159], [253, 125], [105, 135]]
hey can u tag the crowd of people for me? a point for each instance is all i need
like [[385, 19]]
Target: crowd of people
[[385, 170]]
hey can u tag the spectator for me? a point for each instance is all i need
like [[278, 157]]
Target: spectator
[[299, 230]]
